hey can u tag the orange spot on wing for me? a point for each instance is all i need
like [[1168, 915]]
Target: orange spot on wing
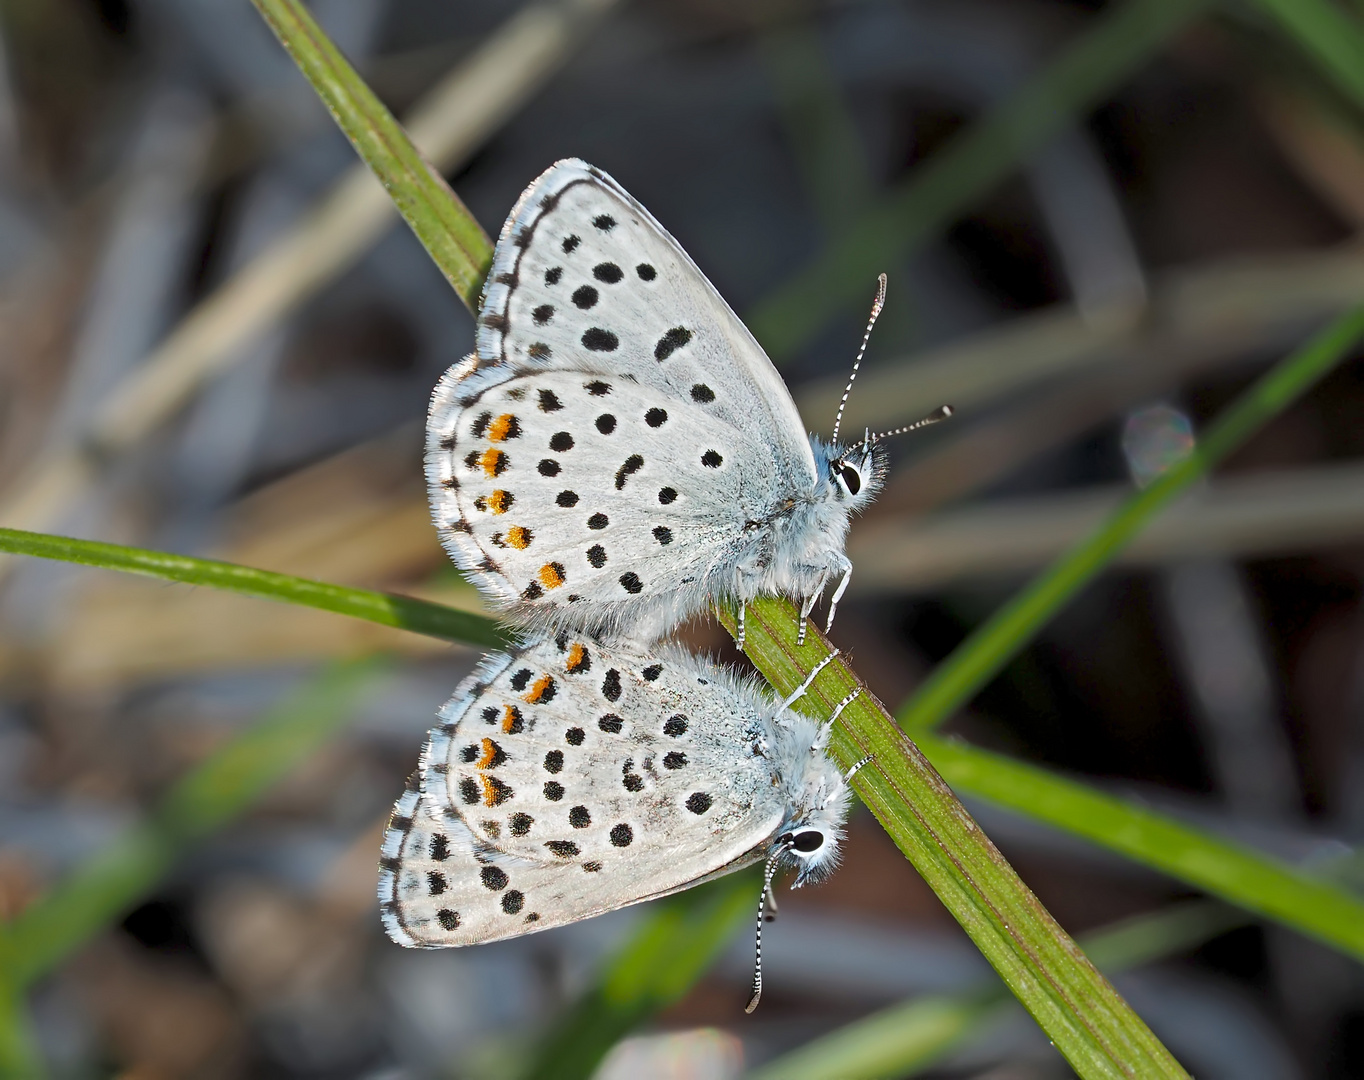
[[552, 575], [541, 688], [489, 752], [494, 791], [518, 536], [511, 720], [493, 461], [499, 501], [575, 657], [504, 427]]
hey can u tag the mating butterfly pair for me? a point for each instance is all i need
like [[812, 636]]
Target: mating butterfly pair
[[617, 454]]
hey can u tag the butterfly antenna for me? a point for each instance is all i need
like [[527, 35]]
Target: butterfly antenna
[[876, 306], [937, 416], [768, 872]]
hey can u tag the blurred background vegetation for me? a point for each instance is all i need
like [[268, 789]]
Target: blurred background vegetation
[[1100, 222]]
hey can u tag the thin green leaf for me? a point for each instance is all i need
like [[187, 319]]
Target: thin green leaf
[[1086, 1019], [906, 1038], [207, 798], [455, 241], [1118, 42], [978, 659], [680, 938], [1333, 39], [387, 609], [19, 1056], [1238, 875]]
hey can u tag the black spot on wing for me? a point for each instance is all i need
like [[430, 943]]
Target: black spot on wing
[[607, 272], [599, 340], [631, 465], [670, 342]]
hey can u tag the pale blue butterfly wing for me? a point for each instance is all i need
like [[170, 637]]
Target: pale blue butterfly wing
[[570, 779], [620, 451]]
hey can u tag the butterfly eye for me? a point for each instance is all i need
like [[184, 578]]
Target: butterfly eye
[[809, 840], [852, 479]]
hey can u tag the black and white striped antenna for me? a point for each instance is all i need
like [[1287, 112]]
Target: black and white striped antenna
[[876, 306], [768, 872]]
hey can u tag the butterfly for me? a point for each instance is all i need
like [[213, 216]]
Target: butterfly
[[571, 778], [619, 452]]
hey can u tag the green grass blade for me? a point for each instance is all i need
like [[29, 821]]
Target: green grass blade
[[18, 1053], [1333, 39], [455, 241], [1079, 1010], [905, 1039], [388, 609], [208, 797], [1238, 875], [978, 659], [679, 940], [1118, 42]]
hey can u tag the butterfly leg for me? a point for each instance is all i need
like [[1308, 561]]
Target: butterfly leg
[[809, 680], [826, 728], [739, 633], [805, 609], [838, 595]]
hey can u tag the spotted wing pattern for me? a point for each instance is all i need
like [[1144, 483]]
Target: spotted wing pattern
[[596, 498], [584, 278], [570, 779], [611, 384]]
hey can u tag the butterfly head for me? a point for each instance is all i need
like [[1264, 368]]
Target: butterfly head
[[855, 473], [817, 797]]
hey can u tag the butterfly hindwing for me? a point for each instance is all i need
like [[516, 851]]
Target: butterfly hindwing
[[592, 496], [570, 780]]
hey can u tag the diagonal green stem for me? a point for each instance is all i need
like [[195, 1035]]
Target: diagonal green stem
[[977, 660], [454, 239], [387, 609], [1086, 1019], [1246, 878], [907, 1038]]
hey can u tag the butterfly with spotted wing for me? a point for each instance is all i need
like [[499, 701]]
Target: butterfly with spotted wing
[[619, 451]]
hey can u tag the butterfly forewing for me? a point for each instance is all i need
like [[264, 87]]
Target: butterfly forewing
[[571, 780], [584, 278]]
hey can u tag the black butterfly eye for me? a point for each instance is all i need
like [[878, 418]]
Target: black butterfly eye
[[809, 840], [852, 479]]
